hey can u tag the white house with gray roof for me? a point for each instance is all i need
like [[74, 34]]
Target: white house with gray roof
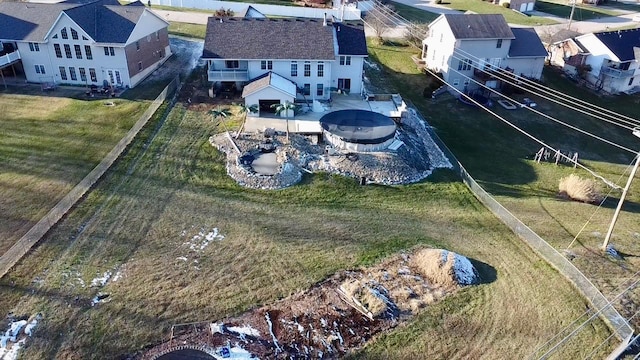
[[278, 60], [463, 47], [87, 43]]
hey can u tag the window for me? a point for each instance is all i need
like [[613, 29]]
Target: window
[[320, 69], [466, 81], [55, 36], [78, 51], [456, 82], [232, 64], [630, 81], [138, 45], [441, 36], [464, 64], [118, 80], [266, 65], [306, 89], [92, 74], [83, 75], [157, 35], [58, 51], [345, 60], [87, 50], [72, 72], [67, 51], [499, 44], [74, 34], [63, 32], [139, 65], [34, 47], [319, 90], [84, 38], [109, 51], [294, 69], [307, 69], [63, 73], [40, 69]]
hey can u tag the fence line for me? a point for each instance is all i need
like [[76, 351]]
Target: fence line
[[37, 231], [342, 12], [609, 314]]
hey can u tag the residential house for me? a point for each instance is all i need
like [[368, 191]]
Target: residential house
[[568, 54], [520, 5], [473, 48], [288, 59], [94, 42], [612, 57]]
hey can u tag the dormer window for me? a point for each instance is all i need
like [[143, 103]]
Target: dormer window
[[63, 32], [499, 44]]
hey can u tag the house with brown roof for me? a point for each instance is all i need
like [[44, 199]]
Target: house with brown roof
[[287, 59], [83, 43], [473, 48]]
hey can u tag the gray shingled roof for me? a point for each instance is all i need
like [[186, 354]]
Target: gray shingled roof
[[104, 20], [526, 44], [28, 21], [479, 26], [270, 79], [351, 40], [290, 38]]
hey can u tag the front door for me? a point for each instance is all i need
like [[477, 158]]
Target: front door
[[114, 77]]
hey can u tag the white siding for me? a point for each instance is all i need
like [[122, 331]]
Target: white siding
[[529, 67], [352, 72], [598, 52], [148, 24]]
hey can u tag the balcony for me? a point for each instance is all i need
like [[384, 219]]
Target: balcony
[[229, 75], [616, 73], [9, 58]]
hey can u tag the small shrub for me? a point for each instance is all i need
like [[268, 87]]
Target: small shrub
[[506, 5], [438, 1], [576, 188]]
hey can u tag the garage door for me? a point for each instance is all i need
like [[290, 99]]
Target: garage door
[[523, 7], [530, 6]]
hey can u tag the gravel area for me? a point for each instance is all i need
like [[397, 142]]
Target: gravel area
[[412, 162]]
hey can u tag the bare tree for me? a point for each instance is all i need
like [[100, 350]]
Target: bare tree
[[380, 20]]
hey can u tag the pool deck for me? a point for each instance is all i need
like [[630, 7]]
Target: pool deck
[[309, 122]]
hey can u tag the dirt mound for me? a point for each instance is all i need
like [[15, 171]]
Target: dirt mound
[[338, 315]]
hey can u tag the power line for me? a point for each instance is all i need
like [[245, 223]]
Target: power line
[[610, 336], [545, 115], [513, 79], [524, 132]]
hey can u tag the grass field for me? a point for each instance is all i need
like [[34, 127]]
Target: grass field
[[582, 12], [483, 7], [49, 143], [413, 14], [501, 160], [171, 186], [196, 31]]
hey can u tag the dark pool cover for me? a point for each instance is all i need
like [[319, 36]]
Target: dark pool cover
[[359, 126]]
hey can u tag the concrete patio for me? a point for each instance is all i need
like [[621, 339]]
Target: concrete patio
[[308, 122]]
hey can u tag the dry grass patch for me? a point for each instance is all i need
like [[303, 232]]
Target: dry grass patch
[[579, 189]]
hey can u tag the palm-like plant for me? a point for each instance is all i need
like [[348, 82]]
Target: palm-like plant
[[285, 108], [220, 113], [245, 110]]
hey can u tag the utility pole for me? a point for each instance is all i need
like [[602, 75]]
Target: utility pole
[[636, 132], [573, 9]]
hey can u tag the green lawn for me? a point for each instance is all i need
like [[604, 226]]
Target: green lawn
[[171, 186], [483, 7], [413, 14], [49, 143], [500, 159], [582, 12], [196, 31]]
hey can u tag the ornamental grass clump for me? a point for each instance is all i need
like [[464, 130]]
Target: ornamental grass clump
[[578, 189]]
